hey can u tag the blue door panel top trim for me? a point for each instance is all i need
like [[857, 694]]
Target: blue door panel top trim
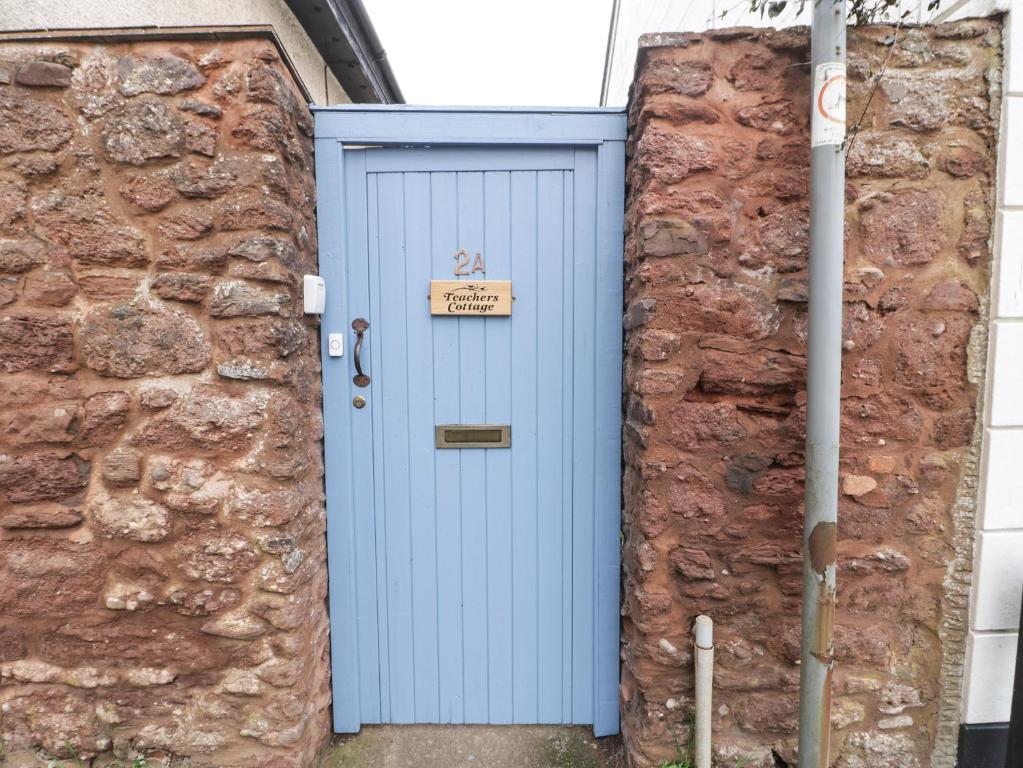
[[455, 126]]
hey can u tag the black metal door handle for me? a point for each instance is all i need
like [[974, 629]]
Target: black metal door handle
[[359, 325]]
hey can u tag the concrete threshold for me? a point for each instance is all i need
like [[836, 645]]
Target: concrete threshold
[[474, 746]]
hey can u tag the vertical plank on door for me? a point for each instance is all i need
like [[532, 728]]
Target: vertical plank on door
[[370, 354], [392, 377], [344, 593], [444, 242], [568, 445], [550, 242], [472, 396], [356, 286], [583, 499], [419, 348], [524, 446], [608, 330], [498, 253]]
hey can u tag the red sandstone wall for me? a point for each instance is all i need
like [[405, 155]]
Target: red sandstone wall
[[162, 573], [716, 329]]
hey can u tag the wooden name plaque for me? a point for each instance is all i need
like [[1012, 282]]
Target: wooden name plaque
[[486, 298]]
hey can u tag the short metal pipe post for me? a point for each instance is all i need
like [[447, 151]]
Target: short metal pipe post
[[824, 375], [704, 656]]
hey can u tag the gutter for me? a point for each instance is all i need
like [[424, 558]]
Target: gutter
[[342, 32]]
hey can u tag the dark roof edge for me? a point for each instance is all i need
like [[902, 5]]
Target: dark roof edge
[[345, 37]]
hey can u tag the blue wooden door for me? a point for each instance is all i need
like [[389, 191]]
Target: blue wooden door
[[473, 585]]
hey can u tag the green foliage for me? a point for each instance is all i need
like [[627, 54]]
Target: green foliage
[[52, 762], [860, 11], [139, 761], [683, 755]]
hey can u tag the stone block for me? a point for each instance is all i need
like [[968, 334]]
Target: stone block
[[779, 117], [43, 74], [886, 157], [21, 255], [129, 640], [262, 247], [52, 422], [61, 722], [48, 577], [50, 288], [181, 286], [42, 475], [207, 418], [668, 73], [201, 108], [131, 341], [930, 357], [142, 131], [36, 342], [671, 156], [905, 228], [101, 287], [207, 180], [752, 373], [234, 298], [129, 517], [47, 516], [252, 211], [157, 74], [32, 124], [182, 258], [693, 564], [200, 138], [104, 414], [150, 193], [189, 224], [215, 554], [85, 226]]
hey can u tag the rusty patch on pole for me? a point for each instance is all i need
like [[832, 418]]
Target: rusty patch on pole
[[822, 546], [825, 719]]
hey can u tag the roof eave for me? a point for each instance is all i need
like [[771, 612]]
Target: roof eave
[[342, 32]]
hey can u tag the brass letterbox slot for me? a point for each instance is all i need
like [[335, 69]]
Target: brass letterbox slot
[[473, 435]]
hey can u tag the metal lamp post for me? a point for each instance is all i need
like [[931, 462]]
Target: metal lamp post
[[827, 222]]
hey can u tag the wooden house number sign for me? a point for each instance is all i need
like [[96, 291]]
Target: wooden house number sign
[[470, 297]]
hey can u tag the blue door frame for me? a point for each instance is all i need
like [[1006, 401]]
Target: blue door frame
[[385, 666]]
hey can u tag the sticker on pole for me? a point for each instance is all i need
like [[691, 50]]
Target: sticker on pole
[[828, 123]]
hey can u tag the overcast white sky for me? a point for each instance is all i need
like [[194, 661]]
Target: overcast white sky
[[469, 52]]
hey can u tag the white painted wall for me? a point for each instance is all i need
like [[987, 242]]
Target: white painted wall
[[998, 564], [637, 17], [26, 15]]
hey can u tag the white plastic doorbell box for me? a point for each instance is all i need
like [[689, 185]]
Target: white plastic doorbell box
[[314, 294], [335, 344]]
